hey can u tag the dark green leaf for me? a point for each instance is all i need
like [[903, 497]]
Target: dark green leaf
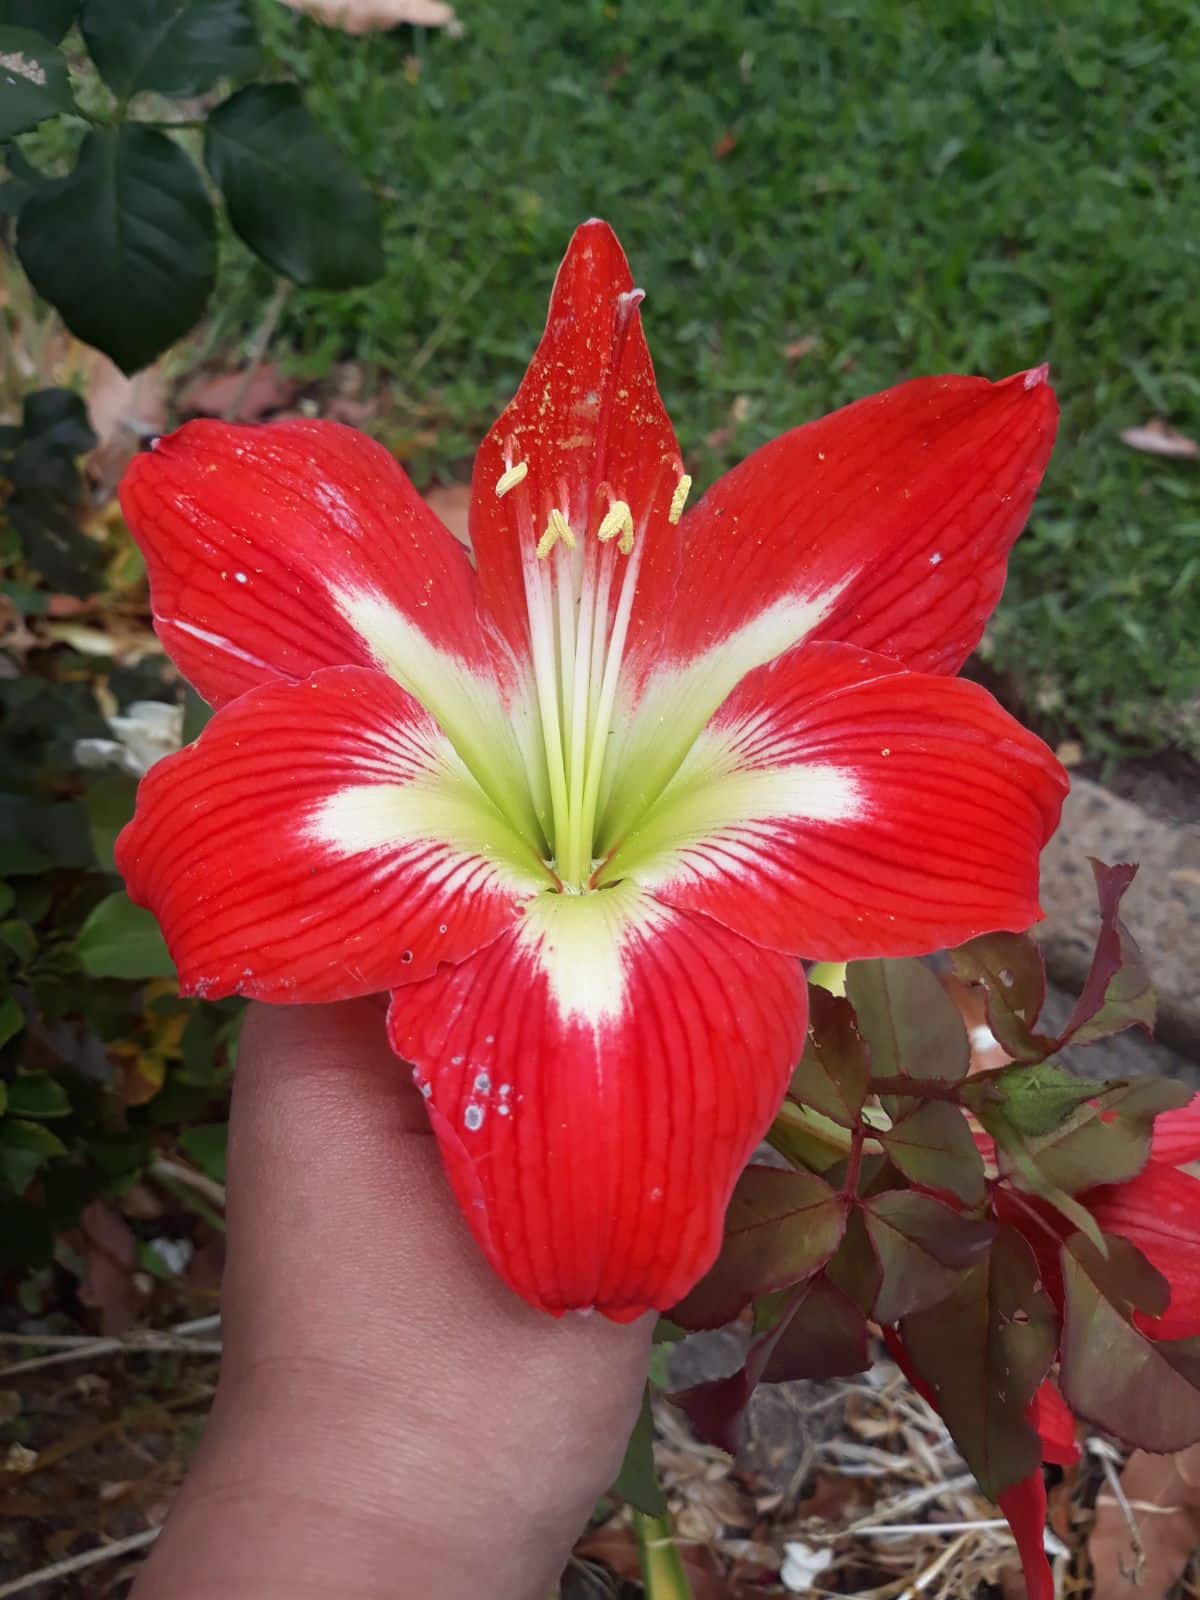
[[12, 1020], [50, 18], [911, 1025], [781, 1227], [824, 1337], [1146, 1391], [983, 1352], [20, 938], [637, 1482], [57, 419], [33, 81], [174, 46], [121, 940], [1010, 967], [109, 804], [291, 194], [26, 1239], [833, 1073], [124, 247], [51, 539], [933, 1146], [206, 1146], [24, 1148], [37, 1095], [923, 1247]]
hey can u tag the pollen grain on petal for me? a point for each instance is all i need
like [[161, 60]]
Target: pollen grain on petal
[[679, 499], [510, 478]]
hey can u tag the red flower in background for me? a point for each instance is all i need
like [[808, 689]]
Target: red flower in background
[[581, 806]]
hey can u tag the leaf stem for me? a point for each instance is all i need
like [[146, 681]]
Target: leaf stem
[[663, 1573], [858, 1136]]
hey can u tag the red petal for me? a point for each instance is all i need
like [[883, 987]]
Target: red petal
[[320, 840], [253, 537], [1024, 1505], [838, 807], [1051, 1416], [1159, 1212], [896, 514], [587, 423], [1177, 1135], [597, 1080]]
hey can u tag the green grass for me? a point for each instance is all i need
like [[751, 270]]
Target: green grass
[[919, 188]]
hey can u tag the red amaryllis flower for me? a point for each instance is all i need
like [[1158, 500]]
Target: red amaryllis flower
[[580, 807]]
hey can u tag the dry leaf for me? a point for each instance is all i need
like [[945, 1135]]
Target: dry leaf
[[452, 502], [1164, 1496], [110, 1251], [1156, 438], [212, 396], [377, 16], [123, 412]]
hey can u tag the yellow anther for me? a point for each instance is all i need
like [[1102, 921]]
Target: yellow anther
[[618, 519], [556, 528], [511, 478], [679, 498]]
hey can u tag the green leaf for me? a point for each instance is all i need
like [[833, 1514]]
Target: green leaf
[[109, 804], [125, 247], [933, 1146], [1031, 1100], [908, 1020], [291, 194], [984, 1351], [834, 1070], [20, 938], [12, 1020], [206, 1145], [637, 1482], [1108, 1140], [26, 1239], [25, 1147], [50, 18], [37, 1095], [33, 81], [121, 940], [1010, 968], [923, 1247], [1146, 1391], [781, 1227], [174, 46]]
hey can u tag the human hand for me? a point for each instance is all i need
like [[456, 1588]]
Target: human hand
[[390, 1419]]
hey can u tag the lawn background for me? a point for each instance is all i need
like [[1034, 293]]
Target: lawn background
[[890, 189]]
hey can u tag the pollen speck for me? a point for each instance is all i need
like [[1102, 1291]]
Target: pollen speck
[[511, 478], [679, 499]]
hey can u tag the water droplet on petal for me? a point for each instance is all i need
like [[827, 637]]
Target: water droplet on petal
[[473, 1117]]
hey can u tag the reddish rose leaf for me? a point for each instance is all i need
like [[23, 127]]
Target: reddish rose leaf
[[932, 1146], [1145, 1391], [824, 1337], [923, 1247], [1118, 993], [911, 1025], [1009, 967], [983, 1352], [833, 1073], [781, 1227], [854, 1267]]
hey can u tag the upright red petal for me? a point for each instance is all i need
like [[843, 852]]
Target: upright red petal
[[588, 427], [885, 525], [839, 807], [1176, 1137], [321, 840], [597, 1080], [1159, 1212], [274, 551]]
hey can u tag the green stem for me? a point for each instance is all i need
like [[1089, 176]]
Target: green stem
[[663, 1574]]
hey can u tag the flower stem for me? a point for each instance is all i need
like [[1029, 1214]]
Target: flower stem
[[663, 1574]]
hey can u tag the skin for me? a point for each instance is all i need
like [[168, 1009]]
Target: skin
[[390, 1419]]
